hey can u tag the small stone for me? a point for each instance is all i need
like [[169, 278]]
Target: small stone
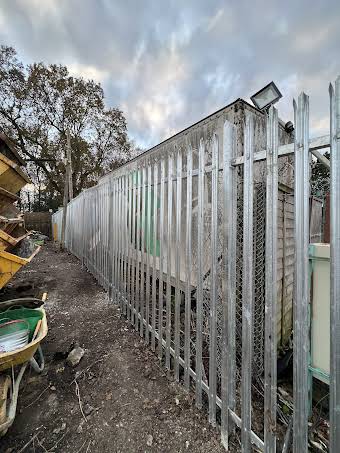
[[149, 440], [75, 356], [187, 443], [61, 428], [88, 409], [147, 373], [80, 427], [53, 388], [52, 400], [177, 401]]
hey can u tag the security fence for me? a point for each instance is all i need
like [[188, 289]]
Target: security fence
[[195, 241]]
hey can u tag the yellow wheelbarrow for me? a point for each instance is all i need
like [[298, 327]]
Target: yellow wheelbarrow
[[10, 378]]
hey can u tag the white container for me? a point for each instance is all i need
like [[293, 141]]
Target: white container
[[320, 311]]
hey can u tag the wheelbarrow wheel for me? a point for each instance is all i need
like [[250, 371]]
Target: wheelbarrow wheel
[[5, 387]]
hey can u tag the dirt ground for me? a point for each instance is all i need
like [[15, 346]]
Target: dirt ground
[[128, 403]]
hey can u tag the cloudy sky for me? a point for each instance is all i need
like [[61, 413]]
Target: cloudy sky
[[168, 63]]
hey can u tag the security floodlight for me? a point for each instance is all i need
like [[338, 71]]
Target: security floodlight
[[289, 127], [267, 96]]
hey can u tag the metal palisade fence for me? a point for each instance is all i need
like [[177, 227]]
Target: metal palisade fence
[[172, 237]]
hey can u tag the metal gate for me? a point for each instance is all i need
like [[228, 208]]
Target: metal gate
[[186, 242]]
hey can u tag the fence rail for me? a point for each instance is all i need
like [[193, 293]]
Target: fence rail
[[176, 242]]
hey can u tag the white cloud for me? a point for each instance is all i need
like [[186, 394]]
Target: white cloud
[[88, 72], [212, 21], [168, 64]]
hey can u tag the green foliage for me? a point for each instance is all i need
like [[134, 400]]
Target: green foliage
[[38, 104]]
